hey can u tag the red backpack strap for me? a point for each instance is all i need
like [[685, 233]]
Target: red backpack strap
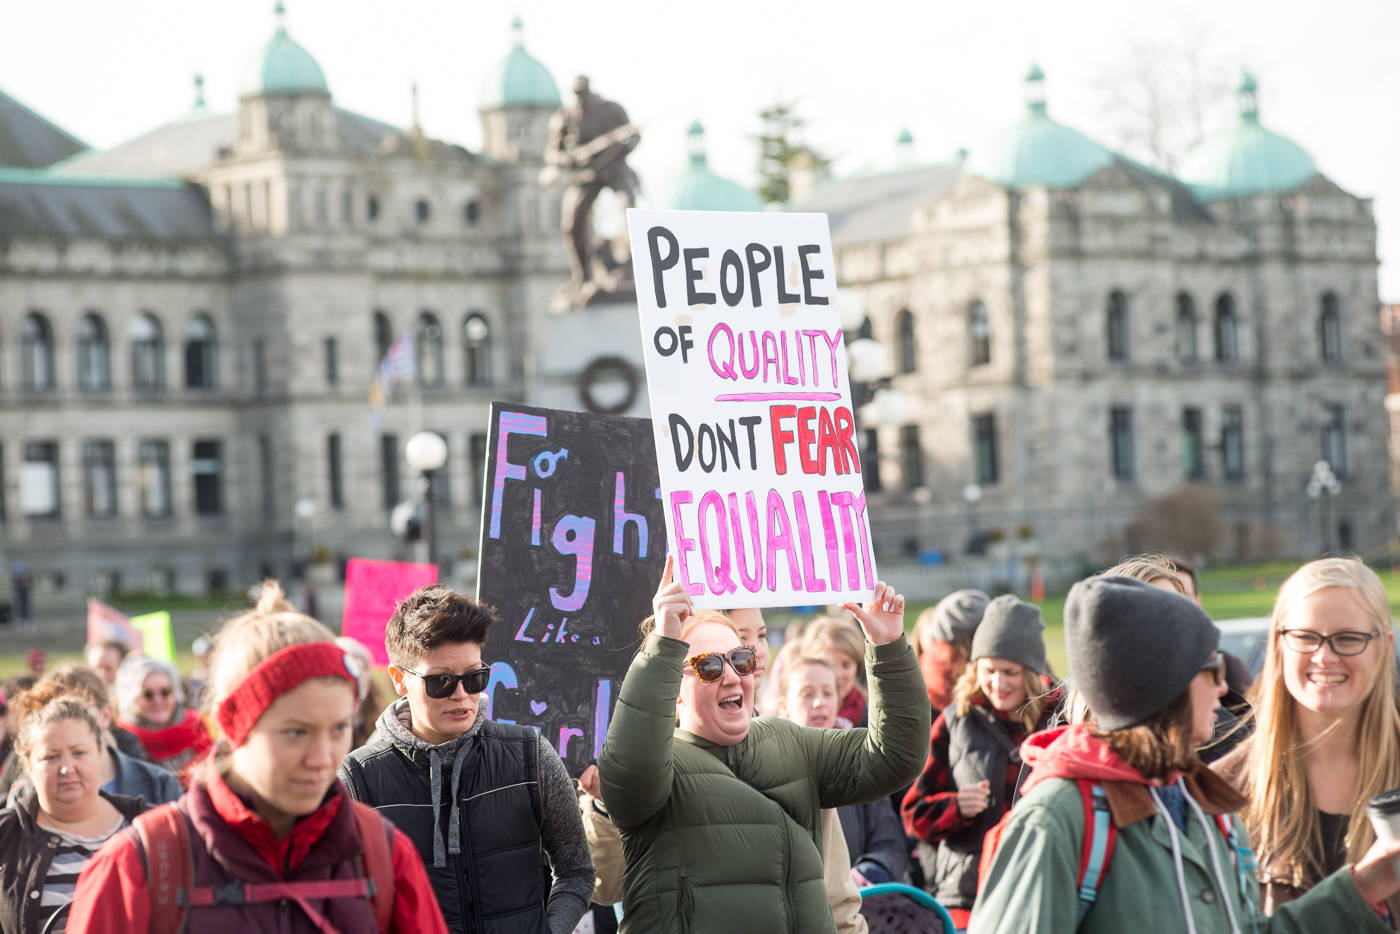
[[989, 849], [1096, 851], [377, 862], [164, 837]]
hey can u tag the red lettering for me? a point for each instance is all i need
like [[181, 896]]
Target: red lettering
[[826, 444], [845, 432], [807, 439], [781, 436]]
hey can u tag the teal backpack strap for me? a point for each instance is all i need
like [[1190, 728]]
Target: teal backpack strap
[[1100, 837], [1240, 853]]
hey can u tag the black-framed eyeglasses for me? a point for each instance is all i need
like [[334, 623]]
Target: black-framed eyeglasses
[[1216, 668], [709, 666], [1306, 641], [440, 686]]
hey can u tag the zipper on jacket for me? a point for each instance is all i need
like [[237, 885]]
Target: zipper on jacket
[[687, 904]]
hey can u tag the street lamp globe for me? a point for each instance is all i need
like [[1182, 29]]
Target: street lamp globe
[[889, 408], [972, 493], [850, 309], [425, 451], [868, 361]]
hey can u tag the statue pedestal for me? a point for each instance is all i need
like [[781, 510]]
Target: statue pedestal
[[590, 360]]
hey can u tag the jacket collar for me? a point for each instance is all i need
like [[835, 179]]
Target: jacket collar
[[212, 802], [392, 729], [1075, 753]]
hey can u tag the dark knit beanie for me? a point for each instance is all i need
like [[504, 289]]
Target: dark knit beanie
[[956, 616], [1133, 648], [1011, 630]]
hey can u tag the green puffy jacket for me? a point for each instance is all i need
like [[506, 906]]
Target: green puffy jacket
[[1030, 887], [727, 839]]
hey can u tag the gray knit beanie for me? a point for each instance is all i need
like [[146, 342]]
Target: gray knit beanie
[[1011, 630], [1133, 648], [956, 616]]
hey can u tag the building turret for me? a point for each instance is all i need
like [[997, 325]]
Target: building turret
[[517, 99], [284, 103]]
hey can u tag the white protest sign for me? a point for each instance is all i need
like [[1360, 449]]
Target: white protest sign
[[755, 437]]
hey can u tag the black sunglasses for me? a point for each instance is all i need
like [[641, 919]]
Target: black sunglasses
[[162, 692], [709, 667], [439, 686], [1216, 668]]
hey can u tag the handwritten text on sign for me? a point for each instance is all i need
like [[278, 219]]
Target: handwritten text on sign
[[746, 368], [571, 551]]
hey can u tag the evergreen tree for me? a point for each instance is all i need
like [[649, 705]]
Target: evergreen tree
[[779, 148]]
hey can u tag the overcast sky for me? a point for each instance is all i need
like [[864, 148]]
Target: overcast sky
[[1329, 73]]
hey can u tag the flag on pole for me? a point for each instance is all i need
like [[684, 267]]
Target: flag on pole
[[105, 622], [398, 366]]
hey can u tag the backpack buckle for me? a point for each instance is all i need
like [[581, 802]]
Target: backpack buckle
[[231, 894]]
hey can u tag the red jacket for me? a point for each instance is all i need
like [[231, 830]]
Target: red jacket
[[113, 897]]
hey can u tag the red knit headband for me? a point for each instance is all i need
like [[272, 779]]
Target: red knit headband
[[277, 674]]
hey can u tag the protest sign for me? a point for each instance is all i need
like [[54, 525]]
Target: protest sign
[[157, 640], [751, 407], [571, 551], [107, 622], [373, 590]]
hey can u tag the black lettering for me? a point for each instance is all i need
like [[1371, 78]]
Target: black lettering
[[693, 275], [660, 264], [759, 260], [682, 458], [750, 422], [808, 274], [784, 296], [728, 263], [728, 443], [707, 432]]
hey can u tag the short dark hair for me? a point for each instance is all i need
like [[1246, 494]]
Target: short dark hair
[[433, 616], [122, 648], [1186, 570]]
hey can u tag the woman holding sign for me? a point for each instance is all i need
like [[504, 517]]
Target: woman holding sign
[[719, 812]]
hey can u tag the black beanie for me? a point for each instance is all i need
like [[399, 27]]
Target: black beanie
[[1011, 630], [1133, 648]]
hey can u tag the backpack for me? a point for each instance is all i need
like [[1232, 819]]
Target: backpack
[[164, 836], [1100, 838]]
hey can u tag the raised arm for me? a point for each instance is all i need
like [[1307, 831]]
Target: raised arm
[[859, 765], [635, 768]]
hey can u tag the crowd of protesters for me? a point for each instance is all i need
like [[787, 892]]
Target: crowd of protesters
[[737, 791]]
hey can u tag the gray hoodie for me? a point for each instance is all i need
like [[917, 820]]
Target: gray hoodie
[[561, 827]]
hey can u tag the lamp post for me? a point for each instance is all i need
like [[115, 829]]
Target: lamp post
[[1323, 483], [426, 452], [972, 495], [305, 510]]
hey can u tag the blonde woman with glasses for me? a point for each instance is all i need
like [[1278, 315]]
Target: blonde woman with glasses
[[1328, 733]]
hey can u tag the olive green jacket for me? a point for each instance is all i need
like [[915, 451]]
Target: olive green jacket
[[727, 839]]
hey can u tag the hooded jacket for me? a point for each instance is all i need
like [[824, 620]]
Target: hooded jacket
[[484, 810], [26, 852], [231, 841], [726, 838], [1158, 875]]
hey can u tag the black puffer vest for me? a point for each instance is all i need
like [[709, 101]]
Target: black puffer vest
[[489, 872], [979, 749]]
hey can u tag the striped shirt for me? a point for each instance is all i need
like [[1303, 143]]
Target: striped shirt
[[69, 857]]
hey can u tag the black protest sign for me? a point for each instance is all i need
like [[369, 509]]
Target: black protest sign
[[573, 542]]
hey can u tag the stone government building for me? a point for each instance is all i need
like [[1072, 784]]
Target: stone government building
[[190, 323]]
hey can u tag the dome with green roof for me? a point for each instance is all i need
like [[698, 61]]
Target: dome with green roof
[[1247, 159], [699, 189], [519, 80], [1038, 151], [283, 66]]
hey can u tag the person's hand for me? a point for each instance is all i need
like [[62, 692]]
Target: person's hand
[[883, 617], [1374, 873], [671, 603], [588, 781], [973, 799]]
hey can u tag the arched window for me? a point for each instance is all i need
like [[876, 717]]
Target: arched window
[[476, 341], [1227, 346], [422, 210], [94, 354], [383, 338], [428, 350], [147, 352], [979, 329], [908, 348], [1329, 330], [200, 353], [1117, 326], [36, 353], [1186, 329]]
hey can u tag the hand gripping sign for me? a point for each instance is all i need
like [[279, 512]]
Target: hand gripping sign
[[755, 436]]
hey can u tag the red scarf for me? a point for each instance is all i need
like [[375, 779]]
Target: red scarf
[[285, 856], [853, 707], [167, 742]]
